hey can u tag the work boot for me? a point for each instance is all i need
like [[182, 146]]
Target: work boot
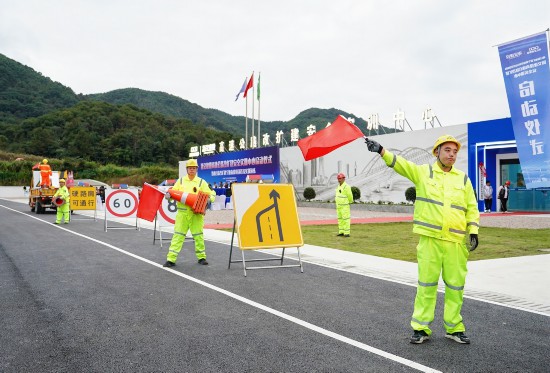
[[459, 337], [203, 262], [346, 235], [169, 264], [339, 234], [56, 222], [419, 336]]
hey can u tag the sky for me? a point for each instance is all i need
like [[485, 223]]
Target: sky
[[364, 57]]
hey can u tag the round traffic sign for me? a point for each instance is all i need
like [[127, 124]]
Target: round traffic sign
[[121, 203], [168, 210]]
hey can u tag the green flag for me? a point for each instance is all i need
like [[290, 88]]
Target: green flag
[[258, 87]]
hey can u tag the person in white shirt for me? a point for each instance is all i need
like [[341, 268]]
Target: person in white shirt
[[488, 196]]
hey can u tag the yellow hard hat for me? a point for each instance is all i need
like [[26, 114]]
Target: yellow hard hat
[[44, 161], [442, 140], [61, 180], [192, 163]]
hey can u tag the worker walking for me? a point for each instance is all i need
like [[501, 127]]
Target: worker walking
[[187, 219], [45, 173], [343, 198], [63, 211], [445, 212]]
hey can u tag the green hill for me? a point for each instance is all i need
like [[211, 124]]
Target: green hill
[[120, 134], [25, 93], [166, 104], [125, 126]]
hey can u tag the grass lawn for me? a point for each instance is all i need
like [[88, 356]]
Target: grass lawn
[[396, 241]]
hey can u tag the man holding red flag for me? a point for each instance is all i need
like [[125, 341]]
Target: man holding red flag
[[447, 219]]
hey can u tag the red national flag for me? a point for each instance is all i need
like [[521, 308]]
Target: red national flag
[[149, 202], [339, 133], [249, 85], [36, 166]]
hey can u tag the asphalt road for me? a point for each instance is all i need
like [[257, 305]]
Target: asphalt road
[[77, 299]]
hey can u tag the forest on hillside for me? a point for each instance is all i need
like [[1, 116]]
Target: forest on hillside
[[120, 134], [126, 127]]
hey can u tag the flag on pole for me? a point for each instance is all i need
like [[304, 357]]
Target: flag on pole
[[339, 133], [258, 86], [249, 85], [242, 89], [149, 202]]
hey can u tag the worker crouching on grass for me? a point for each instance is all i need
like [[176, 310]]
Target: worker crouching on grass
[[63, 211], [187, 219], [445, 212]]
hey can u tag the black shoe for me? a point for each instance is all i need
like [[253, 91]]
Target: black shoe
[[339, 234], [459, 337], [419, 336], [203, 262], [346, 235], [169, 264]]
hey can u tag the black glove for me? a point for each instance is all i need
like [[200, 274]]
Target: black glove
[[373, 146], [474, 241]]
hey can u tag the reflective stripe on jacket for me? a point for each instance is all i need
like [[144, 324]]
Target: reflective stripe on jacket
[[344, 196], [445, 206]]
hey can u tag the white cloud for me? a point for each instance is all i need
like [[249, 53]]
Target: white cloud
[[359, 56]]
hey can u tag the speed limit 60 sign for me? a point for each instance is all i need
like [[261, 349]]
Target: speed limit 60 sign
[[122, 203], [168, 210]]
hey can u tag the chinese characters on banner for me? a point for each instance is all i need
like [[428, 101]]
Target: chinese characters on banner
[[527, 78]]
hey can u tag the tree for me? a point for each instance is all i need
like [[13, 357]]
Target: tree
[[356, 193], [410, 194], [309, 193]]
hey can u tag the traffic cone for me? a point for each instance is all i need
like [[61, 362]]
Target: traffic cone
[[197, 202], [149, 202]]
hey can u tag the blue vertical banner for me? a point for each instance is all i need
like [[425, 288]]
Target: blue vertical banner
[[527, 78]]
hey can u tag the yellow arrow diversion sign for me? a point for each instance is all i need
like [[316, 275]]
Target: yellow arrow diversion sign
[[266, 216]]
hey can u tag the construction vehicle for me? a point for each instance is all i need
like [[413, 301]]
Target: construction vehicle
[[41, 198]]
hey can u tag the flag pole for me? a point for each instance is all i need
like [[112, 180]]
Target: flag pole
[[258, 90], [252, 107], [246, 123]]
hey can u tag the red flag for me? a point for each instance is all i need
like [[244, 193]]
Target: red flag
[[36, 166], [249, 85], [339, 133], [149, 202]]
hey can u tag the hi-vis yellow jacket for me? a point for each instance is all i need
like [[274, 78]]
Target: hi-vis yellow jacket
[[193, 186], [446, 206]]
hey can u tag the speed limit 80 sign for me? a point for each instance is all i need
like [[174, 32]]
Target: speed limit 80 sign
[[122, 203]]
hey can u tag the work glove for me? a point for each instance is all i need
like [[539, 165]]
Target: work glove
[[373, 146], [474, 241]]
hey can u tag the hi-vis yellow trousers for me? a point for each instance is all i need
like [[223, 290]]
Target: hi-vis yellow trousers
[[437, 257]]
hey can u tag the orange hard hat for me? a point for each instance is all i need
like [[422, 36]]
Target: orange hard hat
[[508, 182], [341, 176]]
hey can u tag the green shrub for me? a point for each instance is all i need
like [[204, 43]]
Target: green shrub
[[309, 193], [356, 193], [410, 194]]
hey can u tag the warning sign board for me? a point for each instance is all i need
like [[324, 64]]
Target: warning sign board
[[83, 198], [266, 216]]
